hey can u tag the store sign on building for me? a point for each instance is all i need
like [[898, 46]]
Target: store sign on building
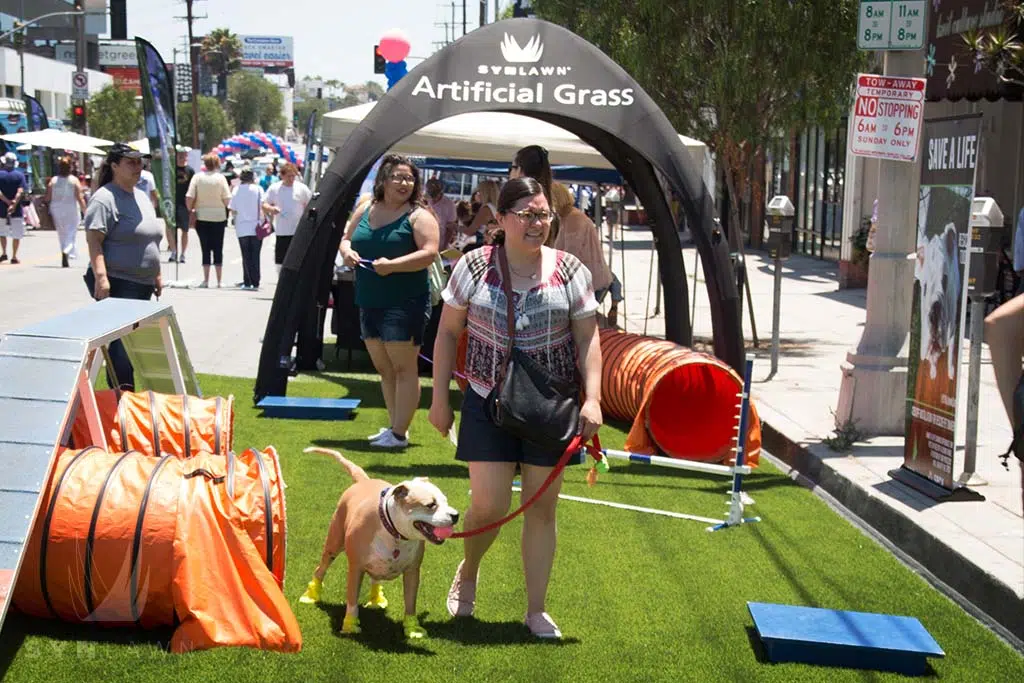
[[953, 73], [110, 54], [887, 117], [126, 78]]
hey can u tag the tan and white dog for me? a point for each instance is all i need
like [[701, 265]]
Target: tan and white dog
[[383, 530]]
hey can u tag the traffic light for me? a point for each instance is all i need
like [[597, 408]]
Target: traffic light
[[78, 117], [378, 60]]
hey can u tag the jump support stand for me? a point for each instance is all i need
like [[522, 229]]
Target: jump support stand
[[735, 517]]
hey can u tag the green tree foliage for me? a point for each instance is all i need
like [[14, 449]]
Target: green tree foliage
[[214, 124], [1000, 50], [733, 73], [305, 108], [255, 103], [374, 90], [114, 115], [221, 51]]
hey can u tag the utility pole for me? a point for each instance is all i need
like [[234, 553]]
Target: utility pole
[[483, 12], [463, 17], [80, 61], [19, 42], [876, 372], [194, 69]]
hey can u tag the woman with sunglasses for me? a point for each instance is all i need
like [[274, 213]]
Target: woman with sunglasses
[[555, 323], [390, 242]]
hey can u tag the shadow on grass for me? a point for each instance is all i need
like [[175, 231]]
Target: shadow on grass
[[63, 636], [757, 646], [472, 631], [379, 633]]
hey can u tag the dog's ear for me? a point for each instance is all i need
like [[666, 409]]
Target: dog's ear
[[401, 491]]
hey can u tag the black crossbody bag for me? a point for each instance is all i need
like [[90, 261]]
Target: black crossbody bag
[[527, 400]]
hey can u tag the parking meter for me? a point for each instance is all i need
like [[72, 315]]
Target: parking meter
[[983, 251], [780, 227], [780, 245], [986, 224]]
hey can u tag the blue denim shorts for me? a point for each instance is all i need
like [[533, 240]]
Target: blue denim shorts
[[481, 441], [397, 323]]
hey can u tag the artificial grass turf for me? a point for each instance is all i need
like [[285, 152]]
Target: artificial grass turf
[[638, 597]]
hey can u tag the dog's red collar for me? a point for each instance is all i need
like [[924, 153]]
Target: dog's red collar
[[385, 519]]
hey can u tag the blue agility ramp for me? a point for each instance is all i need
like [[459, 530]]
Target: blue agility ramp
[[828, 637], [303, 408]]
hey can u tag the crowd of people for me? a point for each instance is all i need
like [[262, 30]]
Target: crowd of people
[[206, 203]]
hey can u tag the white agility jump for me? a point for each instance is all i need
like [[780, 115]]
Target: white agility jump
[[737, 499]]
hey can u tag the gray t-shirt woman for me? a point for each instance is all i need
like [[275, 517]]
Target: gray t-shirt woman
[[132, 232]]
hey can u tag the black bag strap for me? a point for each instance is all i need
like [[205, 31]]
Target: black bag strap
[[506, 285]]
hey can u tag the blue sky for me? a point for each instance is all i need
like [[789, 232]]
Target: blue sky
[[333, 38]]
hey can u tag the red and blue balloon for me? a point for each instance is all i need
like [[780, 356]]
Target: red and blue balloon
[[394, 47]]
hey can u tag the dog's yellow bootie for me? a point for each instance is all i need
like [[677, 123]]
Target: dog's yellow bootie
[[377, 599], [412, 627], [350, 624], [313, 591]]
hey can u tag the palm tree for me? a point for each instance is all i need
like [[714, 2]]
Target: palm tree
[[222, 52]]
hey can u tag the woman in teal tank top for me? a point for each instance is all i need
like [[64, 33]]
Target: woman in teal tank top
[[391, 242]]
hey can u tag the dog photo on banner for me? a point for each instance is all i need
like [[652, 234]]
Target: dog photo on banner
[[939, 297]]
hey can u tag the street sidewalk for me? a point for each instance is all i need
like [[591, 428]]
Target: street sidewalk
[[975, 547]]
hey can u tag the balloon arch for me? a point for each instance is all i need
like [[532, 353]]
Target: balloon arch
[[257, 140]]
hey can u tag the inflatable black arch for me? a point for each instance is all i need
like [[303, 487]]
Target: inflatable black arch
[[533, 68]]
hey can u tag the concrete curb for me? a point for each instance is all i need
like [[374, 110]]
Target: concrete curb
[[970, 582]]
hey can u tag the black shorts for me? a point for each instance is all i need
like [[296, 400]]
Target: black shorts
[[397, 323], [281, 243], [181, 216], [481, 441]]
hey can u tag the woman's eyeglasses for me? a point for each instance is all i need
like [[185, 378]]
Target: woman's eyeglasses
[[406, 179], [531, 216]]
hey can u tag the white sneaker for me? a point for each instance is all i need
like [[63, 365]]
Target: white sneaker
[[389, 440], [380, 433]]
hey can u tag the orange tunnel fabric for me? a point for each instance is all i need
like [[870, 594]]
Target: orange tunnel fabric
[[682, 403], [182, 425], [130, 539]]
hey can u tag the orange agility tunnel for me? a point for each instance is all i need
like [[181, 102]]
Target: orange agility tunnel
[[161, 424], [683, 403], [127, 539]]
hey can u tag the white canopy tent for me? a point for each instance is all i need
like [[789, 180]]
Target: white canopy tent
[[494, 136], [59, 139]]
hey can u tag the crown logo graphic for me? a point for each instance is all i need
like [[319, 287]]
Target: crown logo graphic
[[530, 53]]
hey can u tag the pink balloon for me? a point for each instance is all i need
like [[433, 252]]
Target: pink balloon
[[394, 45]]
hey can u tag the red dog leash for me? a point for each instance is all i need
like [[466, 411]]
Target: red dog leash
[[594, 448]]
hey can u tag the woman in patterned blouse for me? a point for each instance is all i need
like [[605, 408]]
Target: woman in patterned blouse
[[555, 323]]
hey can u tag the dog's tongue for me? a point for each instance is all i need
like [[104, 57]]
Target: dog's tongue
[[443, 532]]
